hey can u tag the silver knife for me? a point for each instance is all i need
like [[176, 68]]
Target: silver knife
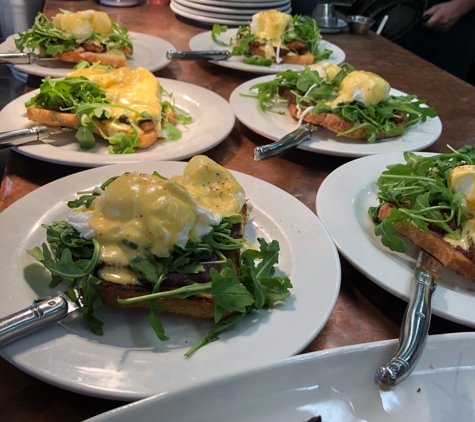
[[199, 54], [23, 136], [289, 141], [42, 312], [415, 324], [22, 58]]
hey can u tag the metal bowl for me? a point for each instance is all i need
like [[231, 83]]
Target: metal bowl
[[359, 24]]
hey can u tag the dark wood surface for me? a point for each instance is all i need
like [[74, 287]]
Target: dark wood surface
[[363, 312]]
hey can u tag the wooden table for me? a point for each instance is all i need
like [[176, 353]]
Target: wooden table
[[364, 312]]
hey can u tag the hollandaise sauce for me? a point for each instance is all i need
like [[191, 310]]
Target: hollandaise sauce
[[136, 89], [140, 214]]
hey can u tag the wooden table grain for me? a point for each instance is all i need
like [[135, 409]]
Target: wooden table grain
[[363, 312]]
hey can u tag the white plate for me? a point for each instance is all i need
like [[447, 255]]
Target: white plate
[[204, 41], [129, 362], [244, 3], [337, 384], [227, 10], [275, 126], [203, 133], [342, 202], [212, 18], [149, 53]]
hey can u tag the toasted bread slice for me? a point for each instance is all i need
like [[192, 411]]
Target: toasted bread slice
[[336, 124], [199, 306], [297, 54], [70, 120], [449, 256]]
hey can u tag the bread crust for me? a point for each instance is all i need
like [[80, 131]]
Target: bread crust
[[336, 124], [70, 120], [198, 306], [436, 246], [114, 58]]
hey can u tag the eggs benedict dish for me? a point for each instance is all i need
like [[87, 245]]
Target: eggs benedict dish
[[166, 244], [276, 37], [87, 35], [121, 105], [430, 201], [352, 103]]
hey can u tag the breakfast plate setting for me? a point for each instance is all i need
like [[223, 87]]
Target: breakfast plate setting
[[202, 134], [128, 362], [275, 126], [344, 212], [204, 41], [149, 53]]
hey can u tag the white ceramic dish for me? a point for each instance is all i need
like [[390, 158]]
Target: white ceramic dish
[[243, 3], [202, 134], [336, 384], [220, 11], [212, 18], [204, 41], [149, 53], [275, 126], [344, 212], [128, 362]]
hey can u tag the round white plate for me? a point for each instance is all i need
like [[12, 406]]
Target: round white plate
[[226, 11], [128, 362], [149, 53], [209, 17], [342, 202], [204, 41], [275, 126], [202, 134], [336, 384], [244, 3]]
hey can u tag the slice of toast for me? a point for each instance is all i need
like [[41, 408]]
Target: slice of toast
[[199, 306], [70, 120], [449, 256]]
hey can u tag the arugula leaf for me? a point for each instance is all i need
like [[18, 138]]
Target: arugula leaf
[[229, 294], [217, 30], [420, 190]]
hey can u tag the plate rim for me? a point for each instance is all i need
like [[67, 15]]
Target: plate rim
[[53, 195], [399, 281], [203, 41], [382, 348], [225, 126], [349, 149], [61, 72]]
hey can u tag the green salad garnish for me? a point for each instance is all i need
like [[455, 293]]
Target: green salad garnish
[[52, 41], [302, 29], [74, 259], [312, 90], [420, 191]]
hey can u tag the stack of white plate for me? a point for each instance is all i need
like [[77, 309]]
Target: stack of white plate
[[235, 12]]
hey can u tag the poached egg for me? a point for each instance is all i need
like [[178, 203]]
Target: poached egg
[[462, 180], [83, 24], [137, 89], [364, 87], [140, 214]]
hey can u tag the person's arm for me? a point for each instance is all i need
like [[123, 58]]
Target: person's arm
[[444, 15]]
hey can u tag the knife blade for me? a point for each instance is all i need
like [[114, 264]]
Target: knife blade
[[284, 144], [415, 324], [22, 58], [42, 312], [198, 54]]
